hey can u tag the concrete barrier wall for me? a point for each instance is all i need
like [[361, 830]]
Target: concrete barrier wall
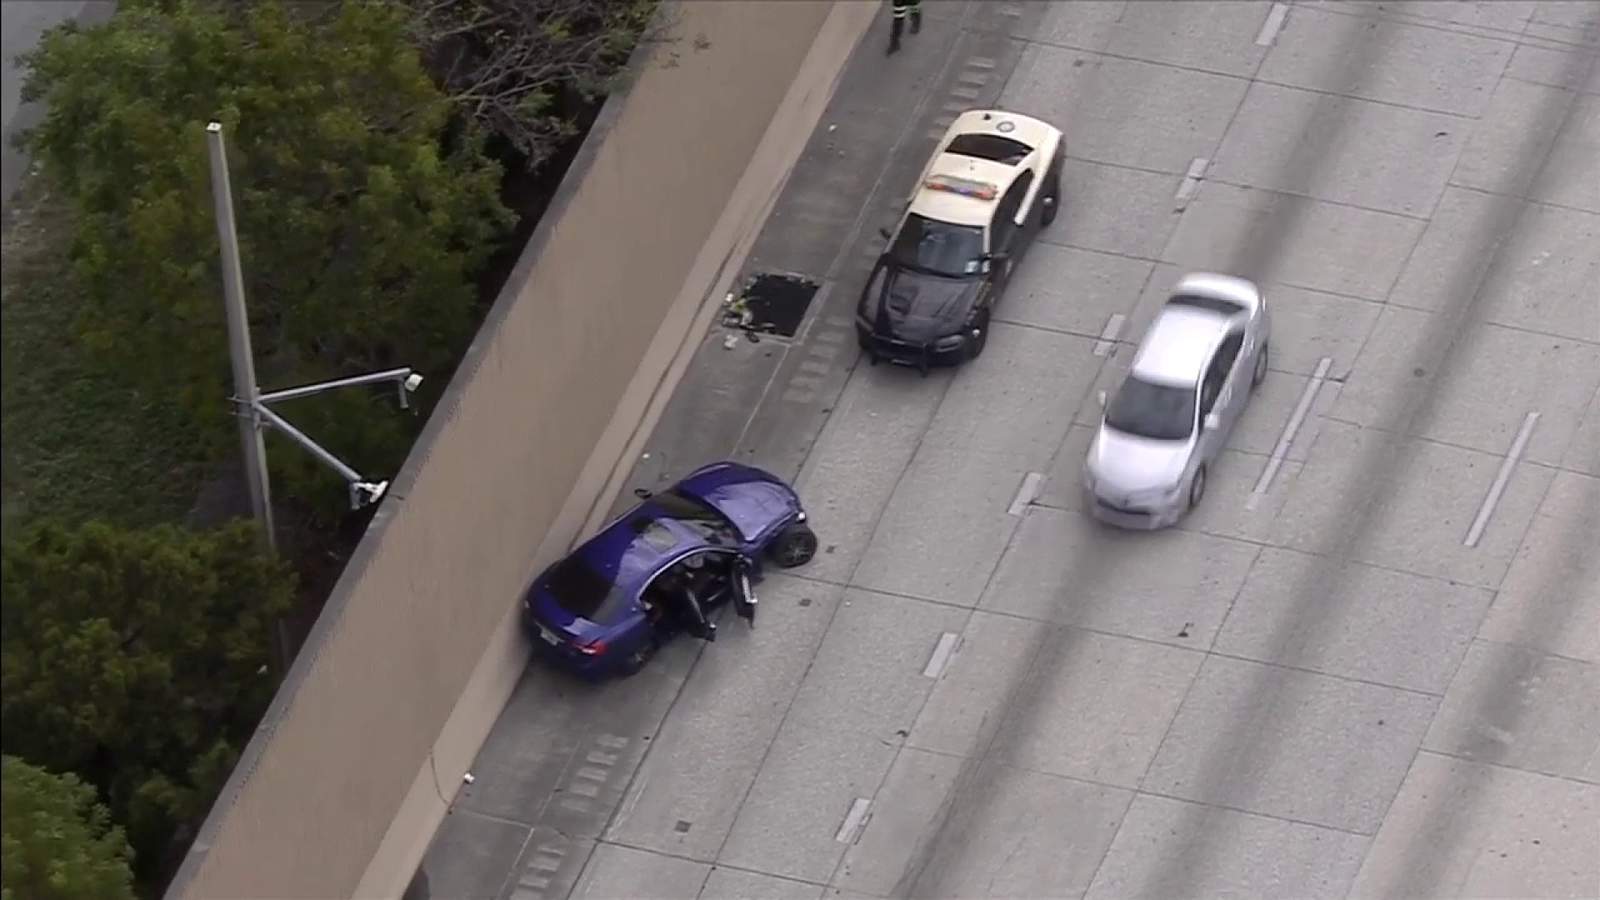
[[417, 650]]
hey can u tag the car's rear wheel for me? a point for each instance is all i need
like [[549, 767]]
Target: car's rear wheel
[[980, 336], [1260, 374], [1197, 487], [1051, 209], [794, 547]]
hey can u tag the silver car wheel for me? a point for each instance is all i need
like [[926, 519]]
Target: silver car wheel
[[1197, 487]]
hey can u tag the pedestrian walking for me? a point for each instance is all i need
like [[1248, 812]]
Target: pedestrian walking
[[904, 9]]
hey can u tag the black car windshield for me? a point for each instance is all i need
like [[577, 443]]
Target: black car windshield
[[954, 251], [1157, 411]]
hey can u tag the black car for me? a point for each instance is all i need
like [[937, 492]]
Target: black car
[[993, 182]]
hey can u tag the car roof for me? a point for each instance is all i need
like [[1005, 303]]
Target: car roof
[[961, 209], [630, 554], [1179, 344]]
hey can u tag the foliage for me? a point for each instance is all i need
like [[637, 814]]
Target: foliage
[[361, 222], [57, 839], [509, 64], [81, 442], [137, 659]]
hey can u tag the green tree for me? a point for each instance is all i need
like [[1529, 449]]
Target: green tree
[[137, 660], [58, 842], [520, 68], [365, 206]]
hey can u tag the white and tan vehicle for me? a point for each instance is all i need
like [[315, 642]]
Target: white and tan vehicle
[[994, 180]]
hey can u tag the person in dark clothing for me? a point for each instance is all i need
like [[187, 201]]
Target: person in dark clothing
[[691, 581], [903, 10]]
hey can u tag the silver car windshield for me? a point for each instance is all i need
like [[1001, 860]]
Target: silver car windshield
[[1160, 412]]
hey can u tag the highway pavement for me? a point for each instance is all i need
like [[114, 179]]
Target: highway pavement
[[22, 23], [1367, 665]]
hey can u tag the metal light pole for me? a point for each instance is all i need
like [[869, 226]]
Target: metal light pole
[[244, 365], [251, 404]]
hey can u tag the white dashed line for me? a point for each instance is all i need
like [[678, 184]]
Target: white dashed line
[[1108, 335], [1290, 428], [1025, 493], [1270, 28], [857, 817], [1190, 183], [942, 652], [1475, 533]]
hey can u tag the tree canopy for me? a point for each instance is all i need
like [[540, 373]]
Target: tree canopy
[[509, 63], [363, 213], [137, 659], [56, 839]]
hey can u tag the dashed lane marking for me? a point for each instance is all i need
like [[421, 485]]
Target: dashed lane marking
[[1028, 490], [1501, 478], [942, 651], [1269, 28], [1191, 183], [853, 821], [1108, 335], [1290, 428]]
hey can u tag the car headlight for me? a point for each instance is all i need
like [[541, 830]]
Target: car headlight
[[950, 342]]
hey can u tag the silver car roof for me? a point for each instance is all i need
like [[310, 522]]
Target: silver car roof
[[1179, 344]]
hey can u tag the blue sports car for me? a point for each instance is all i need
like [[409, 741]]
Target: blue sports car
[[664, 566]]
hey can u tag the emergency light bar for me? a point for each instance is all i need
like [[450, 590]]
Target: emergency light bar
[[966, 187]]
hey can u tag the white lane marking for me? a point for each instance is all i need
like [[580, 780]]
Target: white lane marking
[[942, 652], [1108, 335], [1290, 428], [853, 820], [1475, 533], [1191, 182], [1028, 490], [1269, 28]]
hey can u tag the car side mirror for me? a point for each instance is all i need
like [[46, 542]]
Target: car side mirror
[[886, 234], [1213, 422], [1101, 397]]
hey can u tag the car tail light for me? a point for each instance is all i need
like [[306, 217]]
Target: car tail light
[[594, 648]]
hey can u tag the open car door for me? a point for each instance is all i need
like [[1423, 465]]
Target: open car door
[[744, 596]]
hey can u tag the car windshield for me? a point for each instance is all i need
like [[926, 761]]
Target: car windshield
[[954, 251], [1157, 411]]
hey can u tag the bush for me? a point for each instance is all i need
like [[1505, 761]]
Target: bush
[[58, 842], [361, 226], [137, 659]]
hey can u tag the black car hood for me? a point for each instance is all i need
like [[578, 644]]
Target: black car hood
[[917, 307]]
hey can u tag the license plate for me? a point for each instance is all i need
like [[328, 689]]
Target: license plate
[[549, 637]]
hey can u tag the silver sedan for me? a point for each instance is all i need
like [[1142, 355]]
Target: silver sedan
[[1193, 374]]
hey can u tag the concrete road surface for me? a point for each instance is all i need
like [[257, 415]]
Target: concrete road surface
[[1320, 685], [22, 23]]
